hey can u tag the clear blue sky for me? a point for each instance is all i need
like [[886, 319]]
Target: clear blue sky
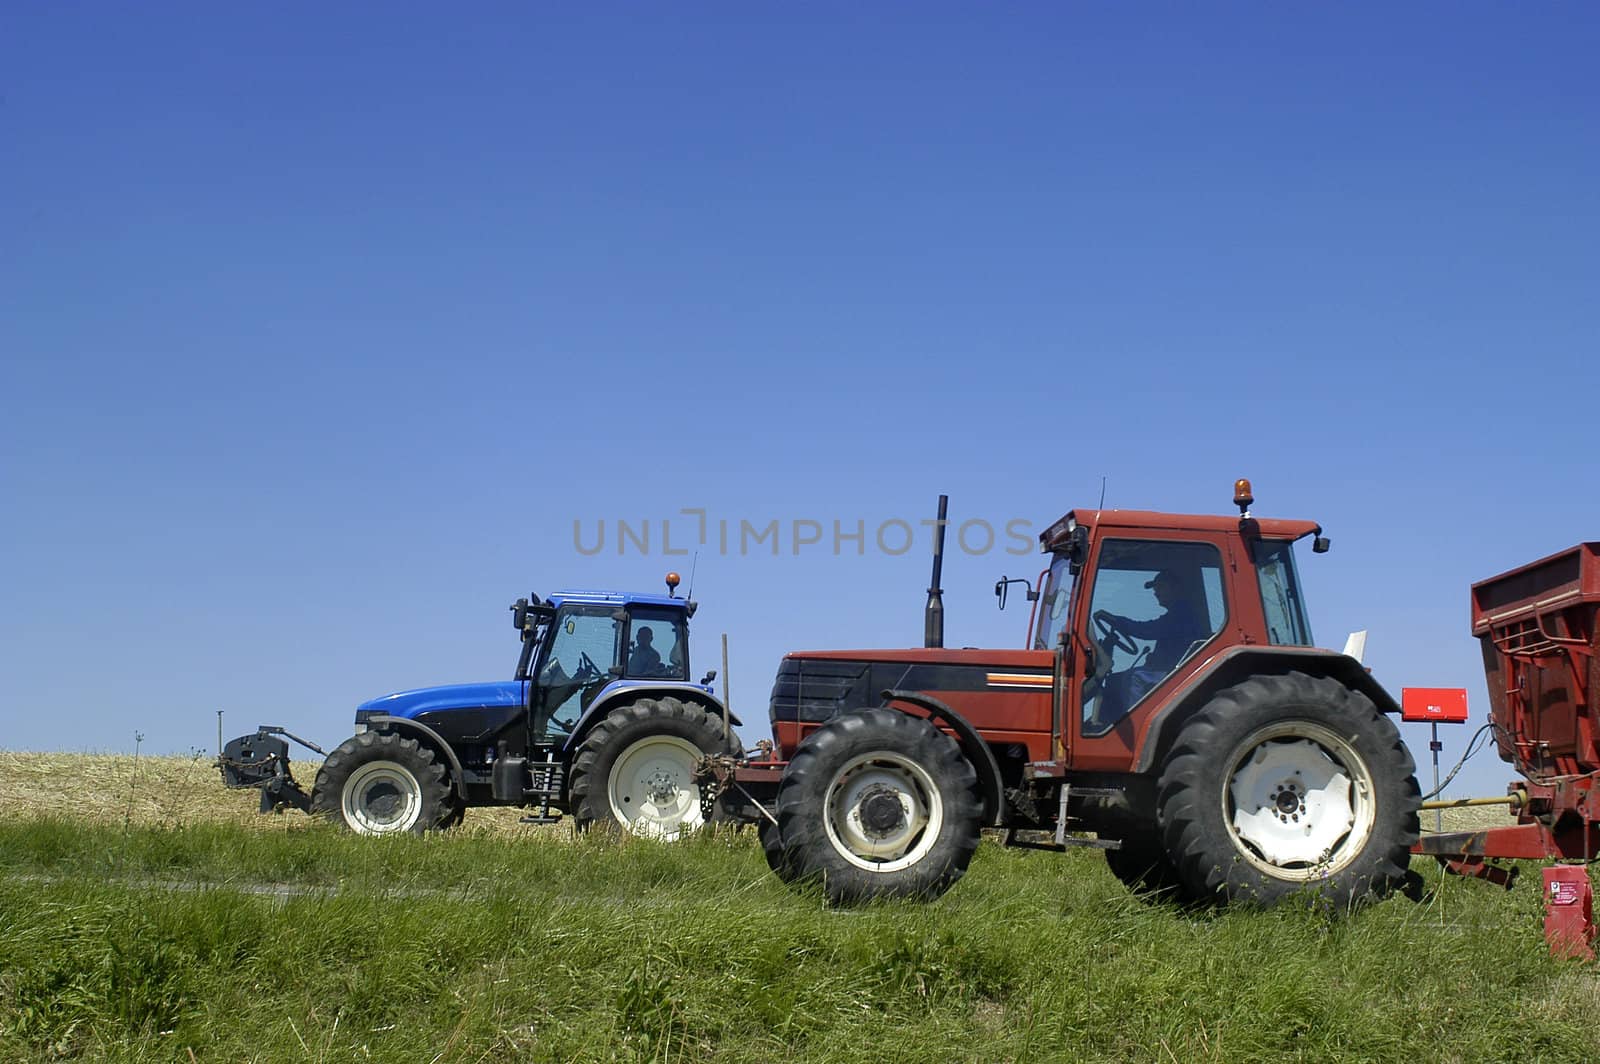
[[321, 325]]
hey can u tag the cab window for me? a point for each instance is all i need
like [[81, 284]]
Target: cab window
[[584, 646], [658, 645], [1154, 606]]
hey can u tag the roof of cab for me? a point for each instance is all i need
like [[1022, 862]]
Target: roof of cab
[[1155, 521], [592, 597]]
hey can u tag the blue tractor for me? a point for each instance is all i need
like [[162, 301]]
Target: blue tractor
[[600, 721]]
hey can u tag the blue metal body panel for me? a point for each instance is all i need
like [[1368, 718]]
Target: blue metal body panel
[[410, 704]]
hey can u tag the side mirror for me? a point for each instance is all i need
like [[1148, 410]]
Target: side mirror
[[1320, 545], [1003, 585], [519, 614]]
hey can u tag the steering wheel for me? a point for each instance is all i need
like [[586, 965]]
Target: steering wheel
[[588, 671], [1111, 637]]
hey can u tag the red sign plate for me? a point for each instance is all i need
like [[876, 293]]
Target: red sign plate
[[1441, 705]]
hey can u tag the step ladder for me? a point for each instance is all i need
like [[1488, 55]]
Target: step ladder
[[547, 777]]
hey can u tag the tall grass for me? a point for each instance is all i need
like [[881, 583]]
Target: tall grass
[[151, 915], [302, 943]]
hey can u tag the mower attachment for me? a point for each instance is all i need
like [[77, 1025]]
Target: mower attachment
[[262, 760]]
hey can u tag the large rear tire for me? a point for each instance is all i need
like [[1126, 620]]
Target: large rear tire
[[772, 849], [1289, 783], [635, 769], [381, 783], [878, 804], [1142, 865]]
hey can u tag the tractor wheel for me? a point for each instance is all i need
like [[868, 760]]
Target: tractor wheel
[[878, 803], [379, 783], [1142, 865], [1289, 783], [772, 849], [636, 767]]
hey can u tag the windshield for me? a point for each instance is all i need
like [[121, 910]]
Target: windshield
[[1055, 605], [1280, 594]]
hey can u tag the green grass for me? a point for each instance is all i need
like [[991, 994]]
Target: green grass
[[147, 943]]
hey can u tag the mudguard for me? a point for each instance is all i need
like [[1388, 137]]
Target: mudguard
[[1239, 663], [621, 691], [406, 726]]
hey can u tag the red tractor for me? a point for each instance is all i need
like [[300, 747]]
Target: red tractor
[[1169, 709]]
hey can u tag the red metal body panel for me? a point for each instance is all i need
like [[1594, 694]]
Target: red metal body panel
[[940, 656], [1008, 698], [1569, 912], [1541, 654], [1437, 705]]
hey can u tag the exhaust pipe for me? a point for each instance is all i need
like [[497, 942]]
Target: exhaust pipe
[[933, 618]]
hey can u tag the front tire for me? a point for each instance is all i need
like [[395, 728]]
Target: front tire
[[381, 783], [1288, 783], [878, 804], [635, 769]]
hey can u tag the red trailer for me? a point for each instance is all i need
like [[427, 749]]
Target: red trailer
[[1541, 654]]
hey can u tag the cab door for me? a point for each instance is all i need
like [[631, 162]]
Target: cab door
[[1150, 611], [585, 648]]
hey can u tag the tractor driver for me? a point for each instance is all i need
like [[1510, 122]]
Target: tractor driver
[[1174, 632], [1180, 627], [645, 659]]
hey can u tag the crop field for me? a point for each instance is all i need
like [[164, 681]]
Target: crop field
[[147, 914]]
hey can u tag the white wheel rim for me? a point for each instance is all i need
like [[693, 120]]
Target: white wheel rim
[[883, 812], [1298, 801], [381, 797], [652, 790]]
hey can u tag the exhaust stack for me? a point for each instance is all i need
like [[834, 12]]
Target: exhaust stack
[[933, 618]]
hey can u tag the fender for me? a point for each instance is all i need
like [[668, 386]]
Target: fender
[[971, 744], [627, 690], [434, 741], [1239, 663]]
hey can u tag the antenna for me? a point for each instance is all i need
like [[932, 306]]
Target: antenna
[[1102, 505], [693, 565]]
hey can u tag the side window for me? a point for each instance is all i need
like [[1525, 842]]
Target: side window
[[658, 645], [1154, 606], [1055, 605]]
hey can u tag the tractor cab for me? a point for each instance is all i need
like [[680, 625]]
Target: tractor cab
[[578, 645], [1140, 604]]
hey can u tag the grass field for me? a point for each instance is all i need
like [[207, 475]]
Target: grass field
[[146, 914]]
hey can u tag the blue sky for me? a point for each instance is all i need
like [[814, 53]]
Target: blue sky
[[321, 327]]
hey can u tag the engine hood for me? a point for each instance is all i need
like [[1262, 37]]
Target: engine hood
[[411, 704]]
